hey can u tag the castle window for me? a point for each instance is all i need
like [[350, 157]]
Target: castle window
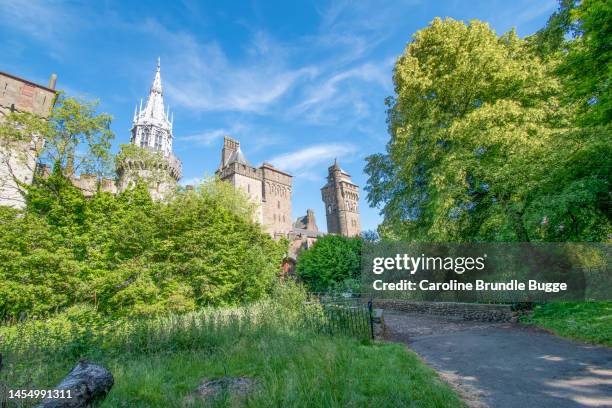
[[278, 204], [144, 141], [248, 188], [158, 139]]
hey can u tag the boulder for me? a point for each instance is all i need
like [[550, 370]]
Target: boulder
[[236, 388]]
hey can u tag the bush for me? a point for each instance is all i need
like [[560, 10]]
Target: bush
[[129, 255], [332, 261]]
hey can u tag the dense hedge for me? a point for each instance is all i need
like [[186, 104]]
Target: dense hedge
[[333, 263], [130, 255]]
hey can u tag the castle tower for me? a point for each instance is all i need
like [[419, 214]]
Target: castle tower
[[266, 186], [341, 198], [152, 130], [235, 169]]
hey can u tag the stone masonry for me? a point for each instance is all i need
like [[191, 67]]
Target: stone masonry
[[18, 162], [341, 198], [266, 186], [465, 311]]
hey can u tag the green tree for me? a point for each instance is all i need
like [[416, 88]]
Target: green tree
[[77, 137], [482, 147], [74, 138], [580, 34], [333, 261]]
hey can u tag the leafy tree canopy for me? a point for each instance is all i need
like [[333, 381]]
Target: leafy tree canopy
[[582, 33], [74, 139], [482, 146]]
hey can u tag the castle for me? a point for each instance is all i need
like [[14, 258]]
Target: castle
[[266, 186]]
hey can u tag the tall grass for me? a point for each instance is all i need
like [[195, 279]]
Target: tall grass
[[158, 362]]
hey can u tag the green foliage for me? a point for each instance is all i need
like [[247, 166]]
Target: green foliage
[[130, 255], [73, 139], [160, 361], [587, 68], [77, 137], [123, 254], [578, 34], [483, 148], [331, 261], [587, 321]]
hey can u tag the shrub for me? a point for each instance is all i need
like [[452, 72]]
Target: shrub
[[332, 261], [129, 255]]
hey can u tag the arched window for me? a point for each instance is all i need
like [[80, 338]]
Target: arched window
[[158, 139], [144, 140], [278, 204]]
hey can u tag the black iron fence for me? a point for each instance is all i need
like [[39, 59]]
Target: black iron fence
[[339, 315]]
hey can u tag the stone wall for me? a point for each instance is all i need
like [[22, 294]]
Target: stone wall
[[276, 200], [17, 161], [466, 311], [251, 186]]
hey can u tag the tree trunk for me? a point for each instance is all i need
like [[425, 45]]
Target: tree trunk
[[86, 383]]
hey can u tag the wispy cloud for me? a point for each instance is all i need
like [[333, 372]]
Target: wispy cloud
[[203, 79], [312, 156], [210, 137], [205, 138], [535, 10], [38, 19], [342, 90]]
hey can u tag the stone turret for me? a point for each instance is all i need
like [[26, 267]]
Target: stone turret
[[152, 131], [341, 198]]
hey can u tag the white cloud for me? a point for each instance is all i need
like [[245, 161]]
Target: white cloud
[[205, 138], [535, 10], [209, 137], [37, 19], [344, 95], [328, 89], [200, 77], [313, 156]]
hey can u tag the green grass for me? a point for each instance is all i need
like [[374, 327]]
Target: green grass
[[590, 322], [160, 362]]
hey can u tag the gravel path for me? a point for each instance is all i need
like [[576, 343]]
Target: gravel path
[[507, 365]]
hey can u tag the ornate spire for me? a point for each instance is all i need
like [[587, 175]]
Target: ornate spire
[[157, 87], [154, 109], [152, 126]]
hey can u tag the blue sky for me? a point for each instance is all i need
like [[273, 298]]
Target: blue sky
[[298, 83]]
